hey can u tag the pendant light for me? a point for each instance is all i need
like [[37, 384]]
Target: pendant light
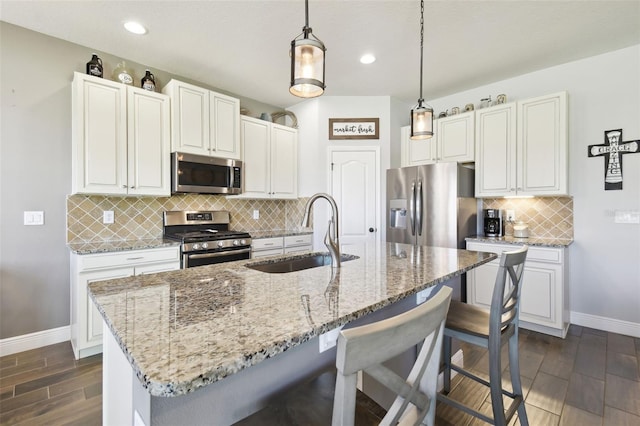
[[421, 114], [307, 62]]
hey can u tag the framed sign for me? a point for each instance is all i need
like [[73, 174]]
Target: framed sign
[[354, 128]]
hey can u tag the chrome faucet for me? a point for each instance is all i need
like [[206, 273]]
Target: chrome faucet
[[331, 237]]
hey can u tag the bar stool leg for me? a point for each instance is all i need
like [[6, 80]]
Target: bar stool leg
[[446, 345], [514, 370], [495, 382]]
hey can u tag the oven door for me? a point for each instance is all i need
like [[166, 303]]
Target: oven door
[[190, 260]]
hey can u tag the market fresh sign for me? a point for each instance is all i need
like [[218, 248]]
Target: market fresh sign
[[354, 128]]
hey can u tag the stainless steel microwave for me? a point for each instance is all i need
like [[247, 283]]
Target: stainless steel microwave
[[205, 175]]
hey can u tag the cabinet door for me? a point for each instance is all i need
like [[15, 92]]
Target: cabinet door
[[92, 335], [224, 126], [148, 143], [496, 151], [189, 118], [456, 137], [417, 152], [99, 141], [540, 300], [255, 136], [480, 285], [542, 145], [284, 162]]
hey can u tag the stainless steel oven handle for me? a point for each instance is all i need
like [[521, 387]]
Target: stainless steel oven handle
[[218, 254]]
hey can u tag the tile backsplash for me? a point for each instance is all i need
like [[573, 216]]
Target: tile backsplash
[[141, 218], [547, 217]]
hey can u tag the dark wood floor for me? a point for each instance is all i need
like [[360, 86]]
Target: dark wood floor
[[590, 378]]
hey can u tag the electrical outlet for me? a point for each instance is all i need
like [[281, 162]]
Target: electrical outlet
[[34, 218], [108, 217], [511, 215], [256, 214]]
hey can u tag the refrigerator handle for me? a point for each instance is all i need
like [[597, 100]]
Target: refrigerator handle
[[412, 208], [419, 207]]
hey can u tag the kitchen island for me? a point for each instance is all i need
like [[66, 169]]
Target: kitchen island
[[210, 344]]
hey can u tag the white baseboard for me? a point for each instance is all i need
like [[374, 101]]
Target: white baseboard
[[607, 324], [12, 345]]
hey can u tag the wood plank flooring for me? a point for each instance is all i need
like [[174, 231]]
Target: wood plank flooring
[[590, 378], [47, 386]]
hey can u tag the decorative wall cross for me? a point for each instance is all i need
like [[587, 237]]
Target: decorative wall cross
[[612, 150]]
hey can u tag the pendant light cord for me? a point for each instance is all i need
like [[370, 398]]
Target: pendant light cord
[[421, 44]]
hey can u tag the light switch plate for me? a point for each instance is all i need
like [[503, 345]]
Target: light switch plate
[[108, 217], [256, 214], [511, 215], [34, 218], [626, 216]]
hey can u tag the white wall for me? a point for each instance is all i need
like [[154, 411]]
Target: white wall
[[313, 116]]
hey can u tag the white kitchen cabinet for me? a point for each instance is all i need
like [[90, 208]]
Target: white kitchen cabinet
[[298, 243], [86, 321], [270, 159], [120, 141], [203, 122], [522, 148], [417, 152], [262, 247], [543, 303], [453, 140], [456, 138]]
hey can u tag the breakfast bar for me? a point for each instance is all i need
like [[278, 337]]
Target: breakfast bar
[[211, 344]]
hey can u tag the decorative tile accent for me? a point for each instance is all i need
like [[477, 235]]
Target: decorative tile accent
[[547, 217], [141, 218]]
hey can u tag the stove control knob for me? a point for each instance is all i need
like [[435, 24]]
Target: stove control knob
[[236, 242], [243, 242], [220, 243], [205, 245], [196, 246]]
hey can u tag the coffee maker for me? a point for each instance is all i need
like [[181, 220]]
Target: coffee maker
[[493, 223]]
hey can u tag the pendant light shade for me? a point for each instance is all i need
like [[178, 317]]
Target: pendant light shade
[[421, 114], [307, 62]]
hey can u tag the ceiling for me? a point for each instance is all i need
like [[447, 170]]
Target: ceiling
[[243, 46]]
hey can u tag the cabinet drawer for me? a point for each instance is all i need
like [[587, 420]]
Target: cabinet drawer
[[297, 249], [125, 258], [265, 253], [538, 254], [298, 240], [266, 243]]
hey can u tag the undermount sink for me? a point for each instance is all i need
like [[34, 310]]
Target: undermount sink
[[297, 263]]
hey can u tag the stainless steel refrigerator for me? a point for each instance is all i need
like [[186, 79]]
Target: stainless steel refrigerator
[[432, 205]]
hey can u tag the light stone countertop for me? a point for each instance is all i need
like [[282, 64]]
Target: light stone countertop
[[124, 245], [182, 330], [277, 233], [531, 241]]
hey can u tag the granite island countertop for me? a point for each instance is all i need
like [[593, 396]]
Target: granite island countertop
[[182, 330]]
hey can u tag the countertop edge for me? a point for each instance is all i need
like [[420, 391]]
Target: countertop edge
[[531, 241]]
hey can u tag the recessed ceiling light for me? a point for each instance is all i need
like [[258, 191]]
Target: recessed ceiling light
[[135, 27], [367, 59]]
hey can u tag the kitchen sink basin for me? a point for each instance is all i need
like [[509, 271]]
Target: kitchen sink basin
[[297, 263]]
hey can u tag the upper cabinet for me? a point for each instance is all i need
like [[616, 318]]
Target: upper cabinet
[[453, 140], [120, 140], [521, 148], [456, 138], [270, 159], [203, 122]]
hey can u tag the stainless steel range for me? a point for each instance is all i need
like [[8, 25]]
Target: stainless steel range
[[206, 238]]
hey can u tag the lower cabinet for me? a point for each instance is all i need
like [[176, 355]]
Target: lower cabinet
[[86, 321], [263, 247], [543, 302]]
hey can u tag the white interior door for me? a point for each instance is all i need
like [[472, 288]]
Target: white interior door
[[355, 184]]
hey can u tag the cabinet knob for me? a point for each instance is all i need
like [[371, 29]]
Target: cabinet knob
[[133, 187], [124, 186]]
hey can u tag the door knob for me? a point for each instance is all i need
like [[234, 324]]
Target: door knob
[[372, 229]]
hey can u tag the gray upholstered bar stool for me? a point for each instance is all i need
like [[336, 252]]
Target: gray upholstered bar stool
[[491, 330], [365, 348]]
